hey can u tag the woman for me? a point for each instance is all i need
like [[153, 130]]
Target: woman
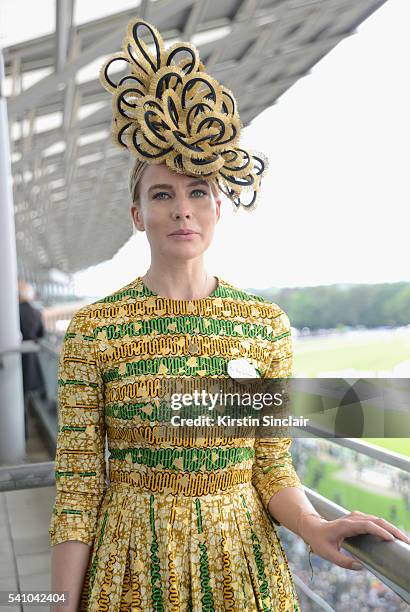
[[179, 526]]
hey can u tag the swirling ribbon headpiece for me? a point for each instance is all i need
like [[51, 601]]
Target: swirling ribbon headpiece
[[167, 109]]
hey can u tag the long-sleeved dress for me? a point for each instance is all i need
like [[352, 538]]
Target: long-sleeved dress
[[173, 527]]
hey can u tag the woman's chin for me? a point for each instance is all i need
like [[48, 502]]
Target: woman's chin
[[185, 249]]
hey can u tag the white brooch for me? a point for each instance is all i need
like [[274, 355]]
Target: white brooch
[[242, 368]]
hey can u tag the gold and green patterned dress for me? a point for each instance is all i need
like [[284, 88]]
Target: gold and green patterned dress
[[172, 527]]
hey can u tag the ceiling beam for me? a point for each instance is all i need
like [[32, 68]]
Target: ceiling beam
[[106, 45], [64, 23]]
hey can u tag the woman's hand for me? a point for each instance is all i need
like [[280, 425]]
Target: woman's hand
[[325, 537]]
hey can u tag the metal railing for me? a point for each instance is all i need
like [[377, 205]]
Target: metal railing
[[389, 561], [310, 594], [26, 346], [364, 448]]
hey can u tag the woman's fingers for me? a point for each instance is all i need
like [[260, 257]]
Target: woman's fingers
[[341, 559], [358, 527], [357, 515], [391, 528], [357, 523]]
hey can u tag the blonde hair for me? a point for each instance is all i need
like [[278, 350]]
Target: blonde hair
[[135, 178]]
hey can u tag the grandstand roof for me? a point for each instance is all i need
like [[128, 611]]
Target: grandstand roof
[[69, 180]]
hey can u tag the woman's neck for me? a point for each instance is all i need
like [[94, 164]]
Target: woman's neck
[[180, 283]]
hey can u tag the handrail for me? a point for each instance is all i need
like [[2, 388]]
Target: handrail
[[319, 601], [365, 448], [27, 476], [25, 346], [30, 346], [389, 561]]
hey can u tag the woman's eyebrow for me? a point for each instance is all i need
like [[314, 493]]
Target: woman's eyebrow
[[166, 186]]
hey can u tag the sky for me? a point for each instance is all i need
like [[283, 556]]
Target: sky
[[333, 206]]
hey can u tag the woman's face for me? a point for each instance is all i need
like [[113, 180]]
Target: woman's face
[[170, 202]]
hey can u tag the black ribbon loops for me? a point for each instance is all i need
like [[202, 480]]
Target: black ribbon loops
[[167, 109]]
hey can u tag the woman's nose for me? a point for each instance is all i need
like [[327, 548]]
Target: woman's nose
[[186, 214], [182, 208]]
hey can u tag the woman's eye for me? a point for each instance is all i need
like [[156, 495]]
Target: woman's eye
[[155, 197], [161, 193]]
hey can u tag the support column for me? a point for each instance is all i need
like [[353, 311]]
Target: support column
[[12, 438]]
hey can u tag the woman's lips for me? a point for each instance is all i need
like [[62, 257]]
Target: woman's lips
[[189, 236]]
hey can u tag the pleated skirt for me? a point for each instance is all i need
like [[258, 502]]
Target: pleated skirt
[[165, 552]]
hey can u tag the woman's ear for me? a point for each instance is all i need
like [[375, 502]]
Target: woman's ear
[[137, 219], [218, 202]]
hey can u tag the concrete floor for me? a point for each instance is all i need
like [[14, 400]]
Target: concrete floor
[[24, 542]]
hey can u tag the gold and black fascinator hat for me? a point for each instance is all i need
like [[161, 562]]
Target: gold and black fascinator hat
[[167, 109]]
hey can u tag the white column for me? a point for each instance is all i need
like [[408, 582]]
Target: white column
[[12, 439]]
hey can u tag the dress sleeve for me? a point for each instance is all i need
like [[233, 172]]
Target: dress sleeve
[[80, 451], [273, 469]]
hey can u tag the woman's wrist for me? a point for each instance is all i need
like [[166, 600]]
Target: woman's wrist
[[305, 521]]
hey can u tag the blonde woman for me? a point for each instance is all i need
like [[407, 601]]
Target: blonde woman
[[176, 527]]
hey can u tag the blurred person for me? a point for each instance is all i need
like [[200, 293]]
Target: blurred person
[[32, 328]]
